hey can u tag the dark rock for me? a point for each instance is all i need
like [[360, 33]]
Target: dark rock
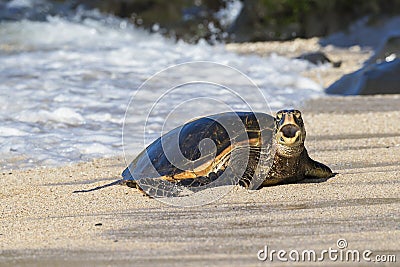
[[382, 78], [389, 50], [380, 74], [318, 58]]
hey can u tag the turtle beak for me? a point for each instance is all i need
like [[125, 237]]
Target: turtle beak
[[289, 131]]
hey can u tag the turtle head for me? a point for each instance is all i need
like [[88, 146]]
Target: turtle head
[[290, 132]]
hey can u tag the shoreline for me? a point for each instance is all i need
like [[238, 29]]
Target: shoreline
[[352, 58], [44, 223]]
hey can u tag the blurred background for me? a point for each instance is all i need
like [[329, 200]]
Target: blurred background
[[227, 20], [248, 20], [69, 68]]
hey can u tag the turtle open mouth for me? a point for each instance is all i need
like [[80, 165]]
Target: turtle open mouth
[[289, 130]]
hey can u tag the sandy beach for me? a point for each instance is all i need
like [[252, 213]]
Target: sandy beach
[[84, 81], [44, 224]]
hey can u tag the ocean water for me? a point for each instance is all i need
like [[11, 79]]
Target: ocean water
[[67, 81]]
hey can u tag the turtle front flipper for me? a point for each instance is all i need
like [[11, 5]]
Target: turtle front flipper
[[315, 169]]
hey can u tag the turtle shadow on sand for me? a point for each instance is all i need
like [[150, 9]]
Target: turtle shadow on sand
[[317, 180], [134, 185]]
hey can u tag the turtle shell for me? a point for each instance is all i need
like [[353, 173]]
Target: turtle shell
[[197, 153]]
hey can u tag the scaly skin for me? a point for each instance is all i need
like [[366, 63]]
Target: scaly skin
[[291, 161]]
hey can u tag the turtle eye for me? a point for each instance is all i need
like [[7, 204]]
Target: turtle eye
[[297, 114]]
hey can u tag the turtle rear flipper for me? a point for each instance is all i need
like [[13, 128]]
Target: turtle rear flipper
[[317, 170], [160, 188]]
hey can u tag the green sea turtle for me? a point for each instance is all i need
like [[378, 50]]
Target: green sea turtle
[[257, 150]]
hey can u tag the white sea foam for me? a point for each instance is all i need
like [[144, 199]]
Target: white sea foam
[[66, 82]]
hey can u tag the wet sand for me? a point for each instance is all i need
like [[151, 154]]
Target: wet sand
[[44, 224]]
